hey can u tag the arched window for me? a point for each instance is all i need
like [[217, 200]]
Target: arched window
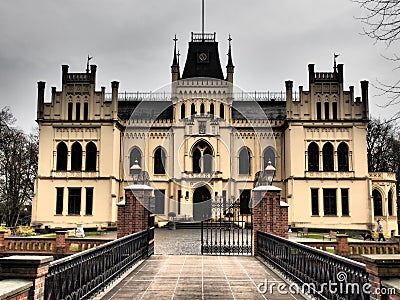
[[91, 157], [202, 109], [327, 156], [212, 110], [343, 157], [133, 156], [193, 109], [377, 203], [159, 161], [202, 158], [269, 155], [313, 157], [62, 154], [76, 157], [244, 161], [183, 111], [390, 203], [222, 111]]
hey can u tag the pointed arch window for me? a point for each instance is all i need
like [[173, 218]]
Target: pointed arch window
[[378, 211], [76, 157], [222, 111], [390, 203], [212, 110], [313, 157], [244, 161], [91, 157], [183, 111], [193, 109], [62, 154], [327, 156], [343, 157], [202, 158], [269, 155], [202, 109], [159, 161], [133, 156]]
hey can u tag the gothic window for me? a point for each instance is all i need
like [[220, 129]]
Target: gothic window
[[86, 111], [76, 157], [269, 155], [330, 202], [343, 157], [78, 111], [314, 202], [193, 109], [319, 114], [91, 157], [334, 111], [62, 154], [202, 109], [202, 158], [244, 202], [183, 111], [378, 211], [212, 110], [159, 202], [244, 161], [159, 161], [390, 203], [70, 105], [222, 111], [74, 201], [313, 157], [327, 156], [133, 156], [326, 110]]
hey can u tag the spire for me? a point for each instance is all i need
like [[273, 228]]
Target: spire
[[175, 60], [230, 63], [230, 67]]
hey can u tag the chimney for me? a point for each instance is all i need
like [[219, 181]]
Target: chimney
[[311, 75], [40, 100], [93, 69], [364, 91], [114, 97], [340, 72], [289, 90]]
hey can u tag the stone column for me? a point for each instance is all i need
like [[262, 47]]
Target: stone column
[[33, 268], [381, 268]]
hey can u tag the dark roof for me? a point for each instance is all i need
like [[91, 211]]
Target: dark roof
[[273, 110], [148, 110], [205, 66]]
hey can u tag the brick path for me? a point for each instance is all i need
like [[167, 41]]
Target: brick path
[[198, 277]]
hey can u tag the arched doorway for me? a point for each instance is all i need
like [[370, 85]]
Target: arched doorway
[[202, 204]]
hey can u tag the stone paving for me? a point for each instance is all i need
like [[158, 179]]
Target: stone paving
[[199, 277], [177, 242]]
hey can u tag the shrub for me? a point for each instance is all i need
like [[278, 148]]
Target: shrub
[[25, 231]]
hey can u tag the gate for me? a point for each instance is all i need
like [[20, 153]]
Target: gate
[[228, 231]]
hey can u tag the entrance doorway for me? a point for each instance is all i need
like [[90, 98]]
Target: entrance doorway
[[202, 203]]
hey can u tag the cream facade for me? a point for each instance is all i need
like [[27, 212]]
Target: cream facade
[[203, 139]]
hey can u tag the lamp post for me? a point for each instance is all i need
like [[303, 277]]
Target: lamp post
[[138, 176], [267, 175]]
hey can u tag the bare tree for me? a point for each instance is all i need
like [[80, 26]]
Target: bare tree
[[18, 169], [382, 23]]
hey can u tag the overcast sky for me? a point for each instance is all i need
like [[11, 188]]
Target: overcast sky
[[131, 42]]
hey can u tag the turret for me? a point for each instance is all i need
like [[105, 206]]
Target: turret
[[175, 64], [114, 98], [230, 67], [289, 90]]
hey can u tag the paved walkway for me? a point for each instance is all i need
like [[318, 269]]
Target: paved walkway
[[190, 277]]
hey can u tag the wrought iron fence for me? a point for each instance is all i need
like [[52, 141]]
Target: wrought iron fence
[[82, 275], [319, 273]]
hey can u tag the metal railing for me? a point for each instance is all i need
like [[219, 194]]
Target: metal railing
[[315, 271], [84, 274]]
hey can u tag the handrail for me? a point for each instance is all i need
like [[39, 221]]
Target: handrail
[[81, 275]]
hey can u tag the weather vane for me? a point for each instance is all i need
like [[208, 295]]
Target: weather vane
[[87, 64]]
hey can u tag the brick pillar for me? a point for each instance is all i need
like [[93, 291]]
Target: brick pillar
[[133, 215], [61, 237], [268, 214], [3, 236], [381, 267], [343, 248], [33, 268]]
